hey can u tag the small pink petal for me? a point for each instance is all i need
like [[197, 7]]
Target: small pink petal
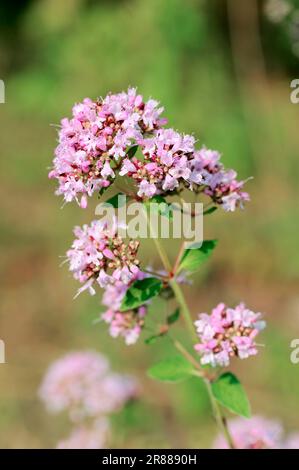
[[83, 202]]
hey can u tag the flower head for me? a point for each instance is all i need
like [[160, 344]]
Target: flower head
[[171, 163], [165, 163], [216, 182], [96, 137], [226, 333], [99, 254]]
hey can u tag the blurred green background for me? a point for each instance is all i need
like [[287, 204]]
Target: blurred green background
[[222, 69]]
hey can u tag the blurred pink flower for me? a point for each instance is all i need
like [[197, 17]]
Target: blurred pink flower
[[82, 384], [257, 433], [94, 436], [292, 441], [254, 433]]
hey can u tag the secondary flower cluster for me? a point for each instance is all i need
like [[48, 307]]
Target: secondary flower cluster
[[82, 384], [171, 164], [99, 133], [226, 333], [99, 254], [257, 433], [95, 145]]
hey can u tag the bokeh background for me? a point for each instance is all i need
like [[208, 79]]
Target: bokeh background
[[222, 69]]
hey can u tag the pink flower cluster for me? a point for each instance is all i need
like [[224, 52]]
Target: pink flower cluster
[[226, 333], [99, 133], [94, 146], [257, 433], [171, 164], [82, 384], [98, 254]]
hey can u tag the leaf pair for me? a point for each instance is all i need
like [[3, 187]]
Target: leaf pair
[[227, 389]]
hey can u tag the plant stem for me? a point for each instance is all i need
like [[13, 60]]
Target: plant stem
[[199, 372], [160, 249], [185, 309], [189, 357], [178, 258], [162, 254]]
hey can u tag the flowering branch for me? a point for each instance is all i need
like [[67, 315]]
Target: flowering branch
[[123, 136]]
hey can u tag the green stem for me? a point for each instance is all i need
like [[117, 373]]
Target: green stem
[[178, 258], [185, 309], [162, 254], [189, 357], [160, 248]]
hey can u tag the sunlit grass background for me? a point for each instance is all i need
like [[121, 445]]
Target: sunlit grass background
[[223, 72]]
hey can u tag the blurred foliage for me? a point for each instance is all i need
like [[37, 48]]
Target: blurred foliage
[[195, 58]]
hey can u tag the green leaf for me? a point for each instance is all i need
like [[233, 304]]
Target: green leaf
[[173, 317], [210, 211], [160, 205], [174, 369], [132, 150], [140, 292], [193, 258], [118, 200], [229, 392]]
